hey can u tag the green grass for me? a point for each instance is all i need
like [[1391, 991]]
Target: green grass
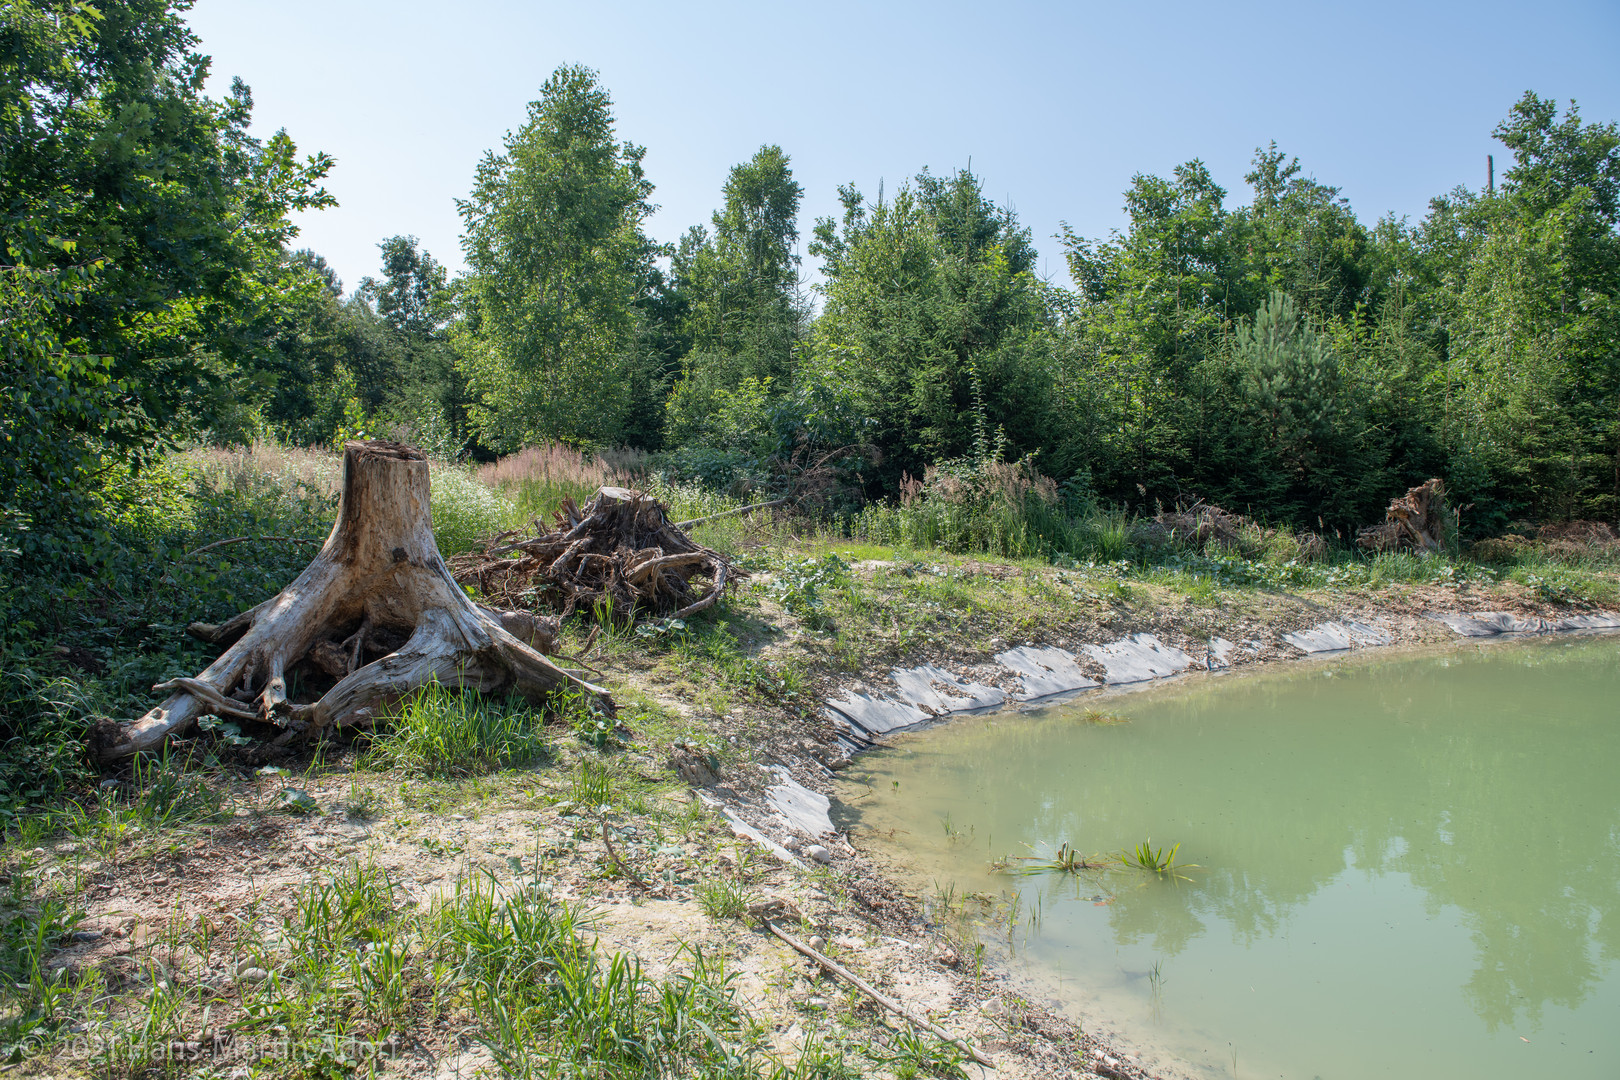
[[441, 732], [722, 898], [466, 513]]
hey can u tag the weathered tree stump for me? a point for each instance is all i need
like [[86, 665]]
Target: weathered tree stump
[[378, 586]]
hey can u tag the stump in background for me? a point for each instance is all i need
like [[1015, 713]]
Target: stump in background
[[1418, 521]]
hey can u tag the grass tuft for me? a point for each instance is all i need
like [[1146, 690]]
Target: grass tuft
[[442, 732]]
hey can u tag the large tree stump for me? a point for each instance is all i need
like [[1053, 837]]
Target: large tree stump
[[378, 586]]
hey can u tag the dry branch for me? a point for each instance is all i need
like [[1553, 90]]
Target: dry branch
[[245, 539], [876, 995], [694, 522]]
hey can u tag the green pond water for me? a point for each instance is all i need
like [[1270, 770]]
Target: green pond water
[[1406, 866]]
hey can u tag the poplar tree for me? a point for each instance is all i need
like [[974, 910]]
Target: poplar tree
[[557, 266]]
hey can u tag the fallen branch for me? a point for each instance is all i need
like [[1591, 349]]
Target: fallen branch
[[732, 513], [624, 867], [245, 539], [889, 1003]]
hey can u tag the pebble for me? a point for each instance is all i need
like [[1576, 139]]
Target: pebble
[[818, 853], [817, 942], [252, 975]]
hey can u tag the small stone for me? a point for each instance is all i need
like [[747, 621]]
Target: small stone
[[252, 975], [158, 882], [817, 942], [818, 853]]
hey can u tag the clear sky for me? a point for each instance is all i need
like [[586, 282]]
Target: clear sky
[[1056, 104]]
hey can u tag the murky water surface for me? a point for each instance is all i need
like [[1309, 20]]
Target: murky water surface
[[1406, 867]]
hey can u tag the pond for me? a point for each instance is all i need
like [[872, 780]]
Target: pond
[[1404, 866]]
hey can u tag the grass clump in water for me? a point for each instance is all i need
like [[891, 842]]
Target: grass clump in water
[[1161, 860], [1067, 860], [441, 732]]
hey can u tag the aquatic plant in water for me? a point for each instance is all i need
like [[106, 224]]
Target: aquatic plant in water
[[1068, 860], [1161, 861]]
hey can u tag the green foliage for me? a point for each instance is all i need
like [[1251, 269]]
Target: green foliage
[[932, 307], [722, 898], [466, 513], [1535, 322], [439, 732], [997, 508], [144, 232], [1160, 860], [36, 998], [557, 260], [742, 309], [800, 583]]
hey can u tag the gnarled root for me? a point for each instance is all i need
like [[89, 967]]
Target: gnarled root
[[377, 588]]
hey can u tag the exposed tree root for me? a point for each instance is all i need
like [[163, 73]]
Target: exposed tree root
[[1418, 521], [374, 616]]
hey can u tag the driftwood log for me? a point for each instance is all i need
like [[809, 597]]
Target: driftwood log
[[374, 616], [620, 551]]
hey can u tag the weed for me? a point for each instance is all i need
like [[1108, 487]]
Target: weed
[[1066, 860], [363, 803], [799, 584], [592, 785], [722, 898], [585, 718], [440, 732], [37, 1000], [912, 1055]]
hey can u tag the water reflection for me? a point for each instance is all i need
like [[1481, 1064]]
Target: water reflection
[[1485, 782]]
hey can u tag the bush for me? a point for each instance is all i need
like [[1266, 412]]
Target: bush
[[996, 508], [465, 512]]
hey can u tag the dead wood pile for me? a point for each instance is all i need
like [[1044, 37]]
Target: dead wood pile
[[621, 549], [1201, 525], [1418, 521]]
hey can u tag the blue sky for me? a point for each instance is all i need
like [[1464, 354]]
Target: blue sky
[[1057, 105]]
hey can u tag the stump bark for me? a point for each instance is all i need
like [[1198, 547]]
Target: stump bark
[[377, 611]]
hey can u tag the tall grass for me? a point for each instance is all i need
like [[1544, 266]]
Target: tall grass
[[465, 511], [994, 508], [538, 478]]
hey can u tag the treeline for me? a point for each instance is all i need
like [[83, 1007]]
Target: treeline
[[1278, 357]]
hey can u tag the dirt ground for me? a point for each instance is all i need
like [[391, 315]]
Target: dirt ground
[[643, 868]]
